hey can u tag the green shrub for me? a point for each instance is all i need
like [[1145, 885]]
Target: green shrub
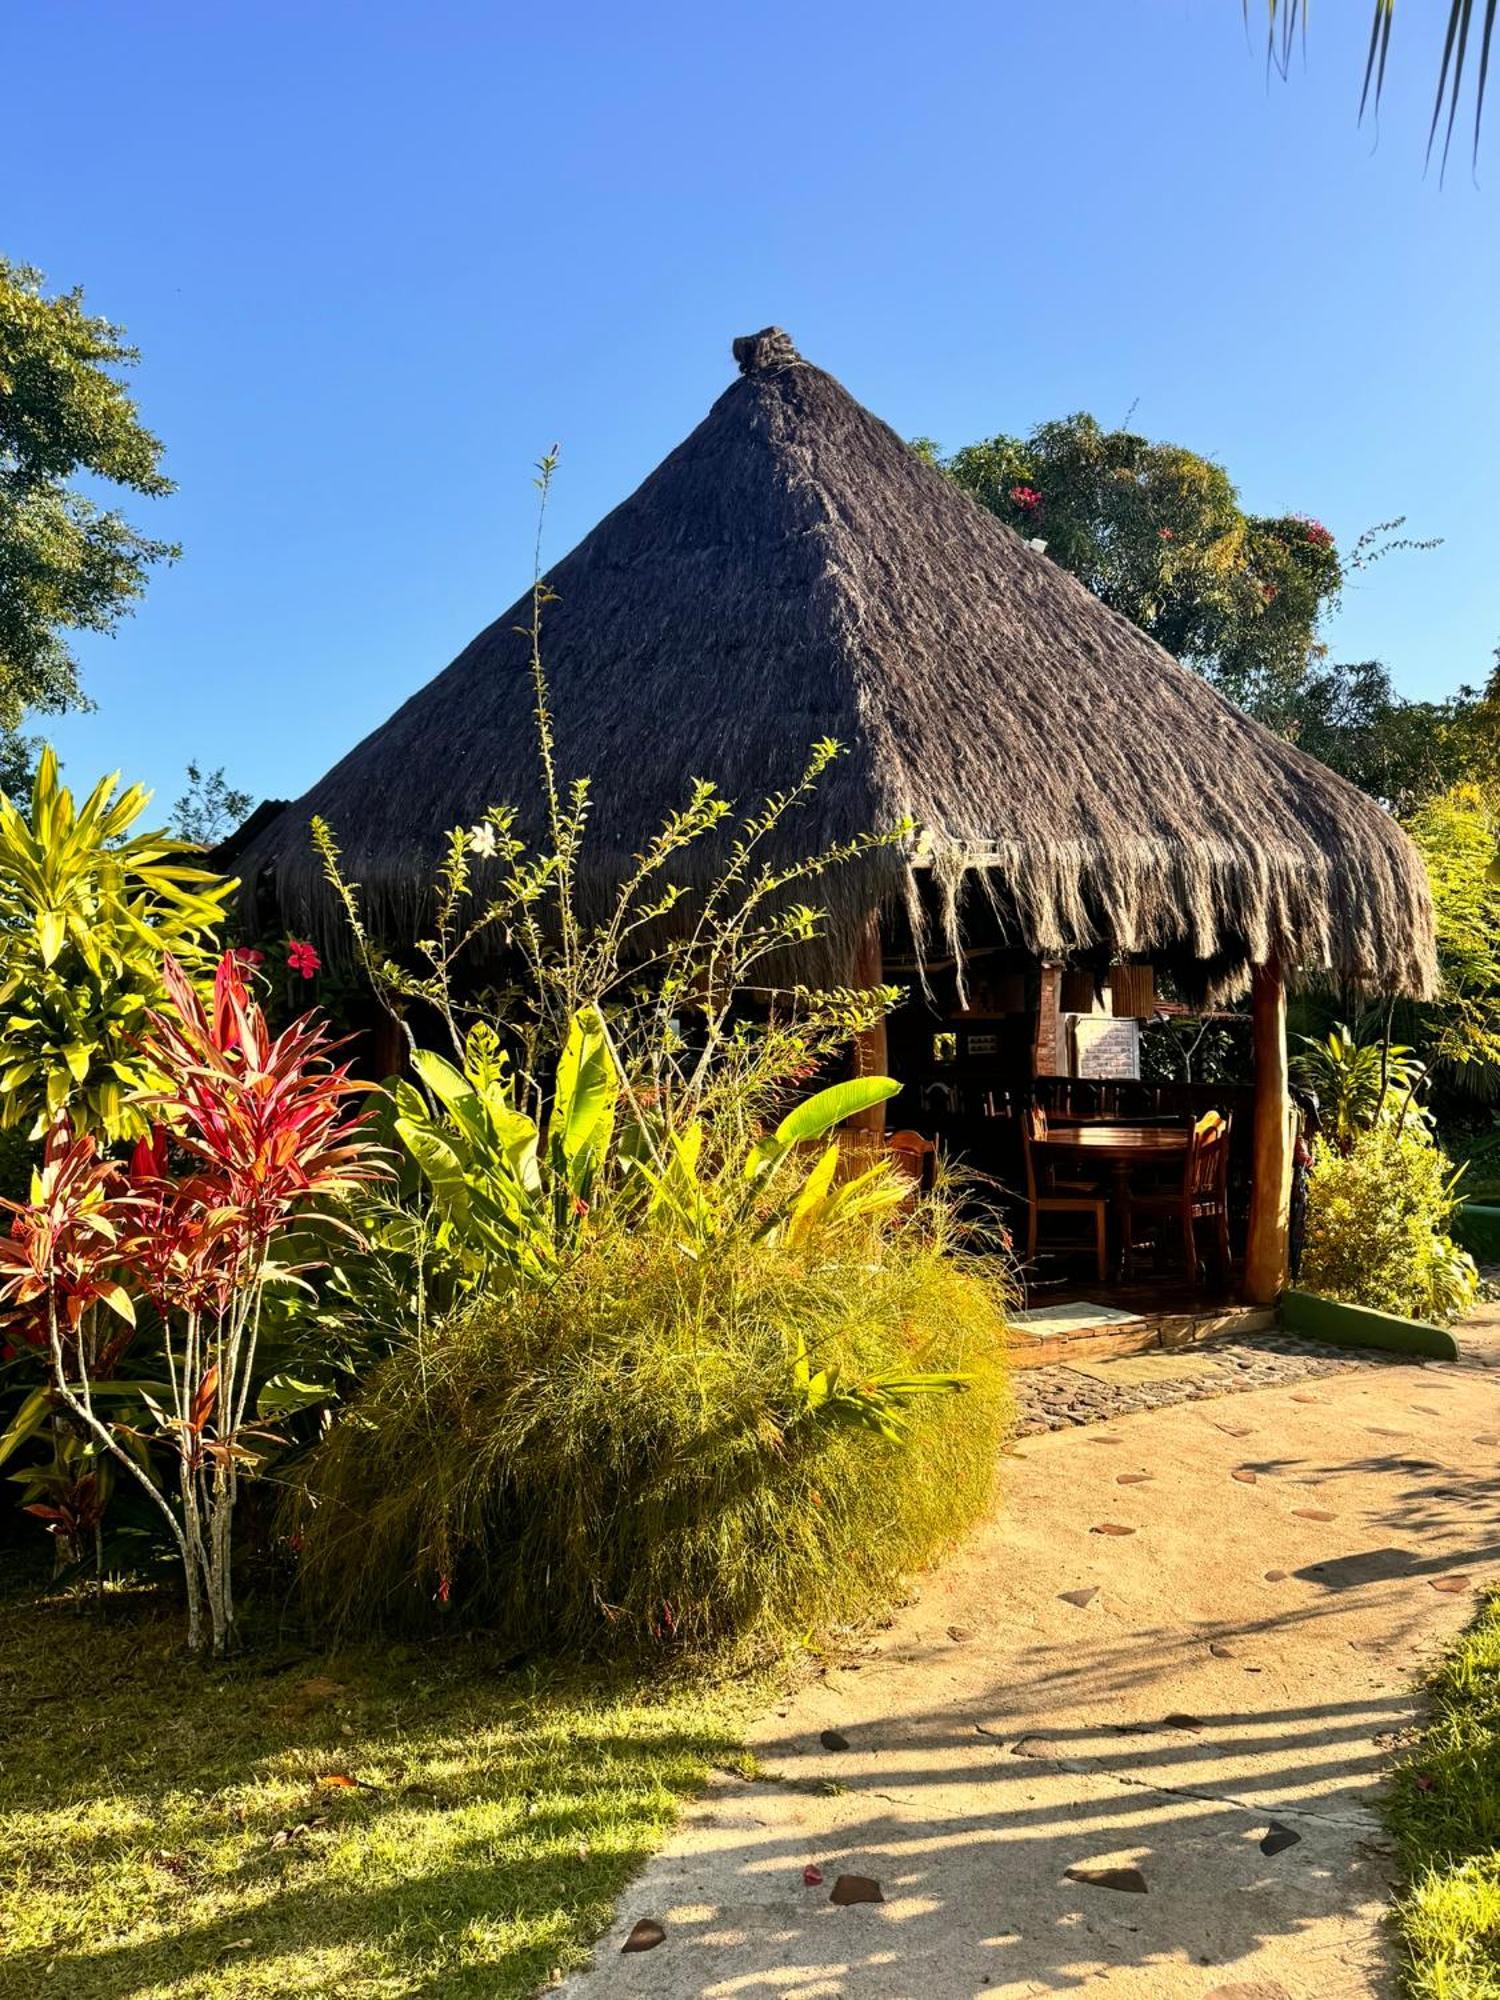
[[1377, 1227], [88, 910], [632, 1454]]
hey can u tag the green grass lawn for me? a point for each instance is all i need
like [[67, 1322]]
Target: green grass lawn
[[1445, 1811], [410, 1820]]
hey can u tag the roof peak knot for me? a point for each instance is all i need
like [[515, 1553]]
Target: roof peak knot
[[770, 348]]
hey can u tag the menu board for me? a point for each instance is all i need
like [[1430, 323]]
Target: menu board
[[1106, 1047]]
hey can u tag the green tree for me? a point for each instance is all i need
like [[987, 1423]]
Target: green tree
[[1158, 532], [1402, 752], [67, 564], [210, 808], [1459, 1033]]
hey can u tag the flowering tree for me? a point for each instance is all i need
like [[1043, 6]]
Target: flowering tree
[[268, 1142], [1160, 534]]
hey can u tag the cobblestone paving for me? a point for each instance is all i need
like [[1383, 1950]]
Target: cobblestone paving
[[1052, 1398]]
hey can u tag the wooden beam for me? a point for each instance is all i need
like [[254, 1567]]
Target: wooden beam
[[1268, 1244], [1044, 1039], [870, 1046]]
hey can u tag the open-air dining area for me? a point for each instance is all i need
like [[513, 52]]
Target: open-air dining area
[[1115, 828], [749, 1129]]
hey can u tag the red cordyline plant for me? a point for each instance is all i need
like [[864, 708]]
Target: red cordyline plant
[[266, 1126], [58, 1268]]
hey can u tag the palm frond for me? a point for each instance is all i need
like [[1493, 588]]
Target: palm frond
[[1286, 24]]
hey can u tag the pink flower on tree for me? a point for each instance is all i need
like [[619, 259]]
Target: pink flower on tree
[[302, 958], [1026, 497]]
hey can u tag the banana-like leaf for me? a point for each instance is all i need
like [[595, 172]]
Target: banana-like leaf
[[812, 1197], [586, 1094], [27, 1421], [815, 1116], [282, 1395]]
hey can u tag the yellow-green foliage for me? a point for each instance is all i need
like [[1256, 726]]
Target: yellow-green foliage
[[1377, 1222], [1457, 833], [629, 1455], [88, 909], [1445, 1812]]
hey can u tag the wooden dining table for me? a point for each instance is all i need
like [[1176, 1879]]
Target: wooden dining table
[[1118, 1149]]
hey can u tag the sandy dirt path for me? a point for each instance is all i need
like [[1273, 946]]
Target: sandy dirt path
[[1217, 1716]]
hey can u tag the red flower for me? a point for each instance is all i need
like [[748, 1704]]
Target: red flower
[[303, 959], [444, 1589], [1026, 496], [580, 1206], [1166, 534], [248, 958], [813, 1877], [1316, 533]]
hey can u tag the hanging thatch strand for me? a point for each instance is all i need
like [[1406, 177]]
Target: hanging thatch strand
[[793, 571]]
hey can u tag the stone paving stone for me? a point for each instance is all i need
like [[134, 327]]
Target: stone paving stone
[[1058, 1397]]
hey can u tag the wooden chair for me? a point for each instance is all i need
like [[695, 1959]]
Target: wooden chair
[[1201, 1194], [1047, 1196], [914, 1155]]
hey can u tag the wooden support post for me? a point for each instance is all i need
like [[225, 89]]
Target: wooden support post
[[1267, 1246], [1044, 1040], [870, 1046], [387, 1046]]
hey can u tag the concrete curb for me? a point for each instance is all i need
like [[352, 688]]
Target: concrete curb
[[1317, 1318], [1476, 1228]]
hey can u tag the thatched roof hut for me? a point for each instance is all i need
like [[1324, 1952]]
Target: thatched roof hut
[[793, 570]]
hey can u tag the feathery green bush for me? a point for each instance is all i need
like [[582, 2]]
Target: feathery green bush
[[633, 1454], [1377, 1226]]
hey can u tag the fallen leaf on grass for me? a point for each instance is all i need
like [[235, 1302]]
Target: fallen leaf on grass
[[1133, 1478], [1111, 1528], [1082, 1598], [1275, 1576], [1314, 1514], [1244, 1475]]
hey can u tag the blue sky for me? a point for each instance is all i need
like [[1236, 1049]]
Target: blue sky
[[379, 257]]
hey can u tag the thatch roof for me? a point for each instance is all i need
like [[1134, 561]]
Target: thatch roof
[[793, 570]]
